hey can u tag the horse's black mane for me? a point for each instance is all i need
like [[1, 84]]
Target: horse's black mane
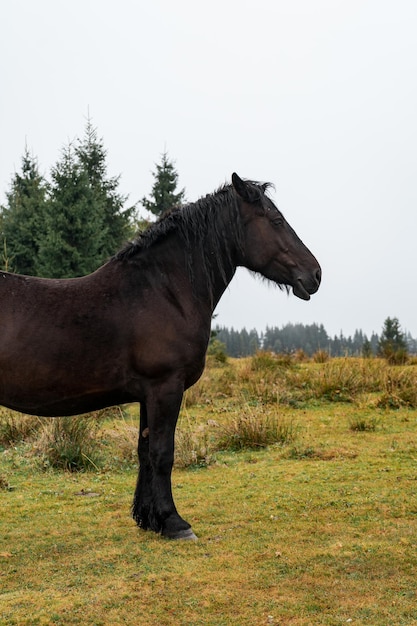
[[197, 218], [212, 223]]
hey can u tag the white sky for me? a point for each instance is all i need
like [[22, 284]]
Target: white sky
[[318, 97]]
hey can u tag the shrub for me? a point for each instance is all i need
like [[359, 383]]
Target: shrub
[[342, 380], [300, 356], [400, 389], [339, 381], [363, 423], [15, 427], [321, 356], [70, 443], [255, 428], [217, 351], [264, 361], [252, 428], [195, 443], [397, 357], [192, 447], [264, 379]]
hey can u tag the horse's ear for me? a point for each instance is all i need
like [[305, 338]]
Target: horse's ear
[[243, 189]]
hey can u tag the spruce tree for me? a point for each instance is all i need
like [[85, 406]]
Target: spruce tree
[[91, 157], [22, 218], [392, 343], [74, 226], [70, 226], [85, 219], [164, 195], [366, 349]]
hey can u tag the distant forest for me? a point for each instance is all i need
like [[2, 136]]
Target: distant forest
[[292, 337]]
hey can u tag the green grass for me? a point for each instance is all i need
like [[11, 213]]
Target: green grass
[[320, 530]]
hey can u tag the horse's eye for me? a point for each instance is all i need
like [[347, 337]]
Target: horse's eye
[[277, 221]]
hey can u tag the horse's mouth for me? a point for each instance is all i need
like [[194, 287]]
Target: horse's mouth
[[300, 291]]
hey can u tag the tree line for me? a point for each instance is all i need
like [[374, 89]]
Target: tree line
[[70, 223], [312, 338]]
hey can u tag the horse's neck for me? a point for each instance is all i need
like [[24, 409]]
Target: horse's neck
[[203, 275]]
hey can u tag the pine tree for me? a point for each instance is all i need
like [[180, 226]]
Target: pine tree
[[75, 231], [91, 157], [22, 218], [85, 220], [70, 226], [392, 343], [254, 341], [366, 349], [163, 196]]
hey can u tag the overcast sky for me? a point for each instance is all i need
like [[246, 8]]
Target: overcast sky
[[317, 96]]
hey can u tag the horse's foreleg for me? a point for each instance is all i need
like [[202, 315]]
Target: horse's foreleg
[[142, 501], [158, 450]]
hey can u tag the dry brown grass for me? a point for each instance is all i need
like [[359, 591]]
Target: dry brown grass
[[15, 427]]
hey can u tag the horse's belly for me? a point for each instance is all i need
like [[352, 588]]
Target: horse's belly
[[64, 384]]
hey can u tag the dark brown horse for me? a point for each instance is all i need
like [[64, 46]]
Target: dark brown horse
[[137, 329]]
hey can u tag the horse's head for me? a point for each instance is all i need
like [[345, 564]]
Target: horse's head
[[270, 245]]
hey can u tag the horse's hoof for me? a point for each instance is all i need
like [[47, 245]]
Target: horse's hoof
[[185, 535]]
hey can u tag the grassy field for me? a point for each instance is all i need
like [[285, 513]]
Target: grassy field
[[317, 528]]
